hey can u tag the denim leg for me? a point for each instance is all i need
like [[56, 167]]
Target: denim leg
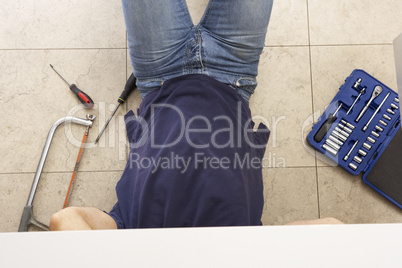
[[233, 35], [238, 21], [157, 32]]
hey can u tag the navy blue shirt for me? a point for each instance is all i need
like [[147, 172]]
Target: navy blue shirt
[[194, 161]]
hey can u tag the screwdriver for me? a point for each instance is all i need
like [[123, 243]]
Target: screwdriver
[[128, 88], [83, 97], [326, 126]]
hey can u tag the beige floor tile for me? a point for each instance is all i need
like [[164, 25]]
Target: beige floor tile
[[14, 191], [33, 97], [290, 195], [288, 24], [94, 189], [196, 9], [283, 100], [354, 22], [331, 65], [62, 24], [349, 199]]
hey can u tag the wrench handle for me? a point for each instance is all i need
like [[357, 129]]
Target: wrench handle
[[362, 112]]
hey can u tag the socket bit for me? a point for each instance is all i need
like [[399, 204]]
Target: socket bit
[[349, 125], [394, 106], [333, 144], [379, 128], [362, 153], [357, 159], [367, 146], [339, 135], [332, 138], [375, 134], [352, 166], [342, 132], [329, 149], [348, 130], [396, 100], [383, 123], [390, 111], [370, 139], [357, 83], [386, 117]]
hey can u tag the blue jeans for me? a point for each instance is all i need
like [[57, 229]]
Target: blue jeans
[[226, 44]]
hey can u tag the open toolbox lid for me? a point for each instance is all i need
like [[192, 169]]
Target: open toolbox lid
[[386, 176]]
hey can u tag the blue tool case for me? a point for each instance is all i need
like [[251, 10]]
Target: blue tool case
[[356, 129]]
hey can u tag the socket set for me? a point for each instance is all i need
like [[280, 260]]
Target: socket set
[[359, 123]]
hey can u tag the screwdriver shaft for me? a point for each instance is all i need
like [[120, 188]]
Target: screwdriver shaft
[[128, 89], [60, 75], [358, 97], [107, 123]]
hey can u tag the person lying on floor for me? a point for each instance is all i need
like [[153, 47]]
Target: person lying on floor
[[195, 157]]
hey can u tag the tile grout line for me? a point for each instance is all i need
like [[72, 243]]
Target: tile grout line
[[312, 104], [60, 172], [327, 45], [287, 167], [87, 48], [346, 45], [125, 106], [267, 46], [127, 150], [116, 170]]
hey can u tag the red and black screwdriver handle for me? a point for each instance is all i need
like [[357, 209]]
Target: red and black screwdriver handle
[[88, 102], [128, 88], [82, 96]]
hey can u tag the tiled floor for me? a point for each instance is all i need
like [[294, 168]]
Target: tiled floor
[[312, 46]]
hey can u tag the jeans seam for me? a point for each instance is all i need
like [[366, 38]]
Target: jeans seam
[[184, 2], [160, 77], [186, 63], [225, 40], [146, 80], [205, 16], [245, 77], [247, 87], [200, 51]]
